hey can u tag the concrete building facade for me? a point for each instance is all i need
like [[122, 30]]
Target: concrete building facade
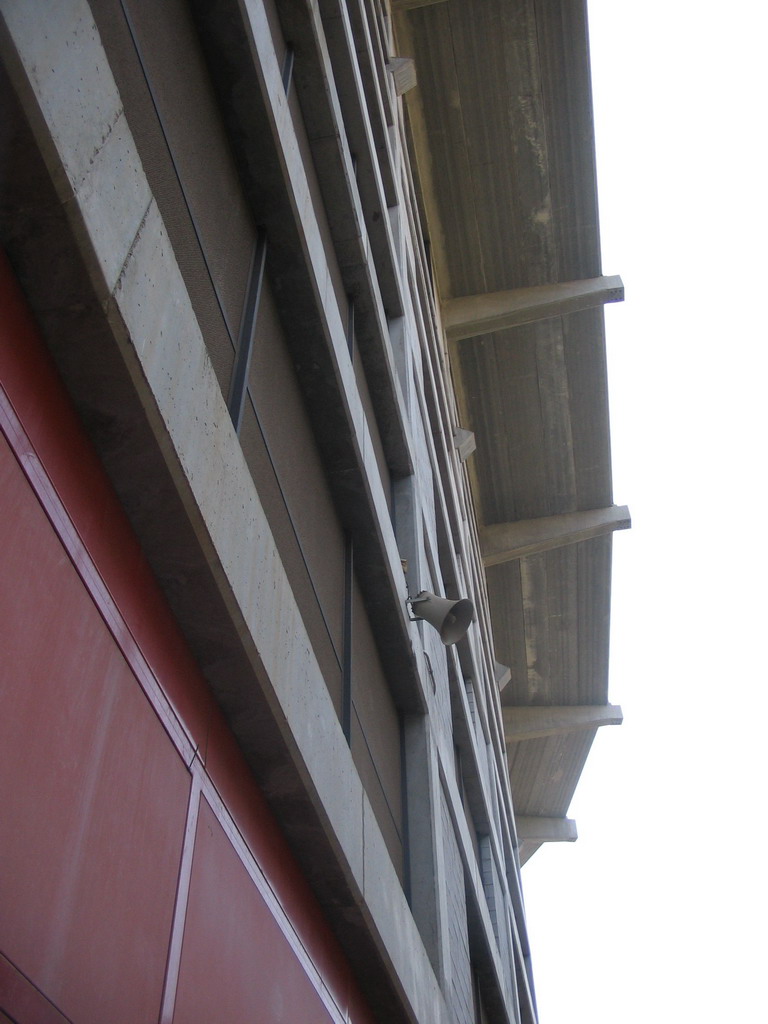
[[247, 417]]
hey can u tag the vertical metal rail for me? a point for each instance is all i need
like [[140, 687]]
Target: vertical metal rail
[[239, 383], [351, 327], [406, 837], [287, 68], [346, 658]]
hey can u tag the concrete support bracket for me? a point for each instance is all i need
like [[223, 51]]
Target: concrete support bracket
[[531, 723], [472, 315], [546, 830], [504, 542]]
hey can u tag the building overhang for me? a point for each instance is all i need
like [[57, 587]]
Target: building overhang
[[502, 132]]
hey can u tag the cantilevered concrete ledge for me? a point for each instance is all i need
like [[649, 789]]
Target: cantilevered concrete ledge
[[471, 315], [538, 722], [546, 830], [403, 71], [503, 674], [504, 542]]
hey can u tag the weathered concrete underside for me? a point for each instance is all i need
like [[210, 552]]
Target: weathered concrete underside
[[502, 129]]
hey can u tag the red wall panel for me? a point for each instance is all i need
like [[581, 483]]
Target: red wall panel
[[233, 941], [93, 794], [101, 707]]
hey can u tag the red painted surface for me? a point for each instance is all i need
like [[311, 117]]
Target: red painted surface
[[101, 703], [93, 795], [29, 1005], [228, 923]]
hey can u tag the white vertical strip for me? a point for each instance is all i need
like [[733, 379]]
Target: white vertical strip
[[182, 897]]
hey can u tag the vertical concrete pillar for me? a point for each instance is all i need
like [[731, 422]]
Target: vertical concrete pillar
[[425, 870]]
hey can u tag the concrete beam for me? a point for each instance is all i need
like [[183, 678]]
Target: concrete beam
[[411, 5], [503, 674], [538, 722], [504, 542], [403, 71], [274, 173], [471, 315], [546, 830], [464, 442]]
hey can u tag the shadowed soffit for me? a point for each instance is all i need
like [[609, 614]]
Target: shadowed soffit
[[503, 138]]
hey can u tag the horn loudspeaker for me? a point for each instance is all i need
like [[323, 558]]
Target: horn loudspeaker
[[450, 618]]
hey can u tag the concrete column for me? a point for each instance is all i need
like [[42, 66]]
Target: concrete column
[[531, 723], [425, 871], [504, 542], [546, 830], [471, 315]]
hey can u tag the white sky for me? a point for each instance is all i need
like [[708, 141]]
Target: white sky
[[659, 912]]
